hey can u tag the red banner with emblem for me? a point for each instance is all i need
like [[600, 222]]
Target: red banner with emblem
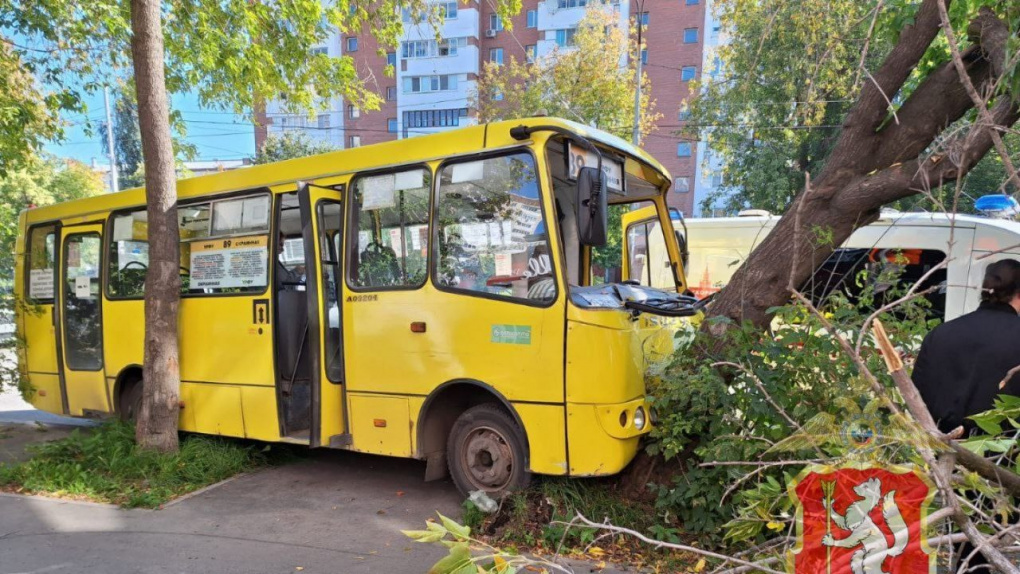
[[862, 520]]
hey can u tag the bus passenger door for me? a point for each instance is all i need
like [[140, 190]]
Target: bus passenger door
[[322, 231], [81, 325]]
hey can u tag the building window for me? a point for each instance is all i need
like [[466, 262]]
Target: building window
[[425, 84], [495, 22], [451, 10], [532, 18], [391, 125], [320, 50], [531, 51], [684, 115], [391, 93], [692, 2], [690, 35], [571, 3], [688, 73], [354, 141], [433, 118], [683, 149], [449, 46], [391, 59], [644, 56], [683, 184], [565, 38], [352, 44], [717, 179], [353, 112], [323, 121], [643, 19], [496, 55]]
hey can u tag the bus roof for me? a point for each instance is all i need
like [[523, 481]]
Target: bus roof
[[336, 163]]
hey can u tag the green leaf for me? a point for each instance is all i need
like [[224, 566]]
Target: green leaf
[[460, 532]]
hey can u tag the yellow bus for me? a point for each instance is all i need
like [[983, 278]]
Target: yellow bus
[[428, 298]]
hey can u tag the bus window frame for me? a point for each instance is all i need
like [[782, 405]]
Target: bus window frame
[[108, 239], [57, 225], [338, 266], [549, 227], [351, 243]]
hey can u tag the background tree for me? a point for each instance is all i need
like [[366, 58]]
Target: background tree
[[127, 140], [920, 120], [231, 56], [290, 145], [585, 83]]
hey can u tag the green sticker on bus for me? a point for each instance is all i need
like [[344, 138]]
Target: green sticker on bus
[[511, 334]]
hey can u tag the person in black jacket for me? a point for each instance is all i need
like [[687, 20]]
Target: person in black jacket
[[963, 361]]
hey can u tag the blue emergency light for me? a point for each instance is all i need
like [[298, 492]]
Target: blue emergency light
[[1000, 206]]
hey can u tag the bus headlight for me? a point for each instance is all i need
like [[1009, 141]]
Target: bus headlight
[[639, 418]]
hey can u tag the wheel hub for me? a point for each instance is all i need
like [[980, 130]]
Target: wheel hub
[[488, 458]]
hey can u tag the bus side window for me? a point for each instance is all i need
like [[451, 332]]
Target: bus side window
[[41, 263], [492, 235], [389, 229], [129, 255]]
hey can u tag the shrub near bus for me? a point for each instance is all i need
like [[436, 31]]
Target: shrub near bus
[[427, 298]]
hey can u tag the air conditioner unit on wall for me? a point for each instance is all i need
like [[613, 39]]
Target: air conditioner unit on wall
[[490, 33]]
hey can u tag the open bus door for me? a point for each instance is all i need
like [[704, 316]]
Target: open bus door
[[322, 232], [80, 308]]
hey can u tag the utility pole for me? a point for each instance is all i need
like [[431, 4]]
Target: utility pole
[[636, 136], [114, 183]]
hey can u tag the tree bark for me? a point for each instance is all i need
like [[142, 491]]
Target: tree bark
[[880, 157], [157, 421]]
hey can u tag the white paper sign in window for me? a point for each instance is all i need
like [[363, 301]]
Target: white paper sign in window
[[40, 284], [414, 179], [225, 263], [580, 157], [378, 192], [241, 214], [83, 287]]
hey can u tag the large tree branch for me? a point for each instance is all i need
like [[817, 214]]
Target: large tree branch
[[939, 101], [871, 108], [997, 33]]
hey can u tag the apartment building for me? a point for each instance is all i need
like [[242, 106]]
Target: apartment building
[[433, 81]]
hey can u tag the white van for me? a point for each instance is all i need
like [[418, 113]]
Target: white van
[[914, 241]]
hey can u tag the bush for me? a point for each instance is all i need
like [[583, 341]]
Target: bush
[[710, 414], [104, 465]]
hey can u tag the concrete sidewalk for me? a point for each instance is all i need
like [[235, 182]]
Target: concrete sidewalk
[[335, 513]]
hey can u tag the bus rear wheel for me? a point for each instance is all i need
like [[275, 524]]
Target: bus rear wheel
[[486, 452]]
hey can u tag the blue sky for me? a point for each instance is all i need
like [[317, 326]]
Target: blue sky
[[216, 134]]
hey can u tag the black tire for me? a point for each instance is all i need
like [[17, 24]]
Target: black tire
[[130, 402], [486, 451]]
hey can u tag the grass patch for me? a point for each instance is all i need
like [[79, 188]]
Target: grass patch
[[103, 464], [524, 523]]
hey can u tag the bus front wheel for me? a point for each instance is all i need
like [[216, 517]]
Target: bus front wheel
[[486, 452]]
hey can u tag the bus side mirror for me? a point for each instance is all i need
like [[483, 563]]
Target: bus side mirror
[[685, 253], [592, 207]]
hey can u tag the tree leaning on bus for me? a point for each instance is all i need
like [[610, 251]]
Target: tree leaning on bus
[[232, 59]]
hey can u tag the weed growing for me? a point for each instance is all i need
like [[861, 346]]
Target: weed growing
[[104, 465]]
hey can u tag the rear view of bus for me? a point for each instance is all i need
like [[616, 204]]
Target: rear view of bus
[[430, 297]]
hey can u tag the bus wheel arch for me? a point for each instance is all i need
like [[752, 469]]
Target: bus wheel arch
[[127, 392], [440, 412]]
